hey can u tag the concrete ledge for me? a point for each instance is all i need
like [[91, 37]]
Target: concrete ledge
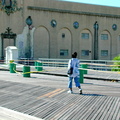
[[7, 114], [72, 12]]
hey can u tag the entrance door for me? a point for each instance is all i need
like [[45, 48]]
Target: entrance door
[[7, 39]]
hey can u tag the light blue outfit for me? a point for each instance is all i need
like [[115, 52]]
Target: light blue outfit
[[74, 62]]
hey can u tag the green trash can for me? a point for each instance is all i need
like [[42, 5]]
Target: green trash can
[[35, 63], [84, 66], [26, 71], [39, 66], [81, 79], [12, 68]]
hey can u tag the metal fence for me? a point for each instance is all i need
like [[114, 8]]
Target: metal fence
[[104, 65]]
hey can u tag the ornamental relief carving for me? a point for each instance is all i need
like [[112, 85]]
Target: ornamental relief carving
[[9, 6]]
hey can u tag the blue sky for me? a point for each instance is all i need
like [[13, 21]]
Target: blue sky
[[114, 3]]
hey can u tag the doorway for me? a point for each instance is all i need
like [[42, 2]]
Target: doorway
[[8, 38]]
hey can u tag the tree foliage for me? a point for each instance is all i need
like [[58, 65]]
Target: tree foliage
[[116, 63]]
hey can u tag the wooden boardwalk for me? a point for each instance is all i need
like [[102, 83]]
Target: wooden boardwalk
[[61, 71], [53, 103]]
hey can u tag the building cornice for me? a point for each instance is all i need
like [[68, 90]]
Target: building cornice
[[73, 12]]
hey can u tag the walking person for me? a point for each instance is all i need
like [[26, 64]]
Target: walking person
[[74, 64]]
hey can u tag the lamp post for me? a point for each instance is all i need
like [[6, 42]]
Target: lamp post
[[28, 42], [96, 27]]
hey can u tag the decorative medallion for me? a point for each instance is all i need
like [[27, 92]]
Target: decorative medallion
[[76, 25], [114, 27], [53, 23], [9, 6]]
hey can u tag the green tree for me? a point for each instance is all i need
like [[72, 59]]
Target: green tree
[[116, 63]]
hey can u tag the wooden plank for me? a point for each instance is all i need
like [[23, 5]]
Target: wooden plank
[[71, 105], [111, 109], [93, 108], [116, 115], [58, 105], [65, 103], [107, 107], [101, 111], [82, 112]]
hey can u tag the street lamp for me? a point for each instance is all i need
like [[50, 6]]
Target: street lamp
[[28, 42], [96, 26], [29, 21]]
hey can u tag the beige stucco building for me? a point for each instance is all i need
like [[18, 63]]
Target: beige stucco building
[[59, 28]]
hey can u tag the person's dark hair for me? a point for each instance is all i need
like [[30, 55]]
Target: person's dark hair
[[74, 55]]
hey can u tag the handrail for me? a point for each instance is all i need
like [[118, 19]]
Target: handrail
[[104, 65]]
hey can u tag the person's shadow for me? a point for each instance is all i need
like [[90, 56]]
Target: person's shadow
[[91, 94], [88, 94]]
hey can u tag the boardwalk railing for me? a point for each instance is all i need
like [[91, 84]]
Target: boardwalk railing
[[103, 65]]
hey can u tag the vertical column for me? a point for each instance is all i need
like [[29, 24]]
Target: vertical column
[[2, 48], [28, 43], [96, 41], [14, 40]]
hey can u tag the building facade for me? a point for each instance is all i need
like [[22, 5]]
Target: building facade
[[55, 29]]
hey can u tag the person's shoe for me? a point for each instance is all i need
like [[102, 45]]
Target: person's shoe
[[80, 90], [70, 92]]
